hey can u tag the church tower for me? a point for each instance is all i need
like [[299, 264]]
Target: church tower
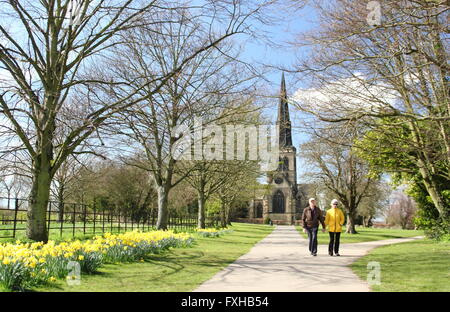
[[280, 204]]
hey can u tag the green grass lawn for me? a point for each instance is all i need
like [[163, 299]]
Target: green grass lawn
[[363, 235], [179, 269], [68, 234], [422, 265]]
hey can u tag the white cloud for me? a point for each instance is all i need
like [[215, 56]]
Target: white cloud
[[354, 94]]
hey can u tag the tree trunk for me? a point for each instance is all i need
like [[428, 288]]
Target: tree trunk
[[369, 221], [228, 214], [163, 212], [351, 229], [223, 220], [201, 210], [426, 169], [433, 191], [39, 196]]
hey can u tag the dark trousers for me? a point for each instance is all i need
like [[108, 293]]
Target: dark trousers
[[312, 236], [334, 242]]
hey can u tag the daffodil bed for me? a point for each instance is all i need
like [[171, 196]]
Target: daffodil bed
[[24, 265], [212, 232]]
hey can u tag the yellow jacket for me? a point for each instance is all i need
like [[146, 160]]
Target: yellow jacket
[[334, 220]]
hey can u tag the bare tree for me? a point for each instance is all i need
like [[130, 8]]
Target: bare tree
[[205, 179], [14, 179], [62, 182], [224, 179], [401, 211], [214, 176], [47, 49], [14, 185], [182, 199], [339, 169], [391, 73], [375, 204], [62, 186], [237, 186], [201, 89]]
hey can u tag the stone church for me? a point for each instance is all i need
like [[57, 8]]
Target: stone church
[[283, 199]]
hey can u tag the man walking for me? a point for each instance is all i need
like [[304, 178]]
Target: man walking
[[311, 217]]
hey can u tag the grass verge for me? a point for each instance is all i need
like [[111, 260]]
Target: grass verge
[[418, 266], [363, 235], [181, 269]]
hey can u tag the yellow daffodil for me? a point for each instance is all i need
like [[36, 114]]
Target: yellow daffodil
[[40, 257]]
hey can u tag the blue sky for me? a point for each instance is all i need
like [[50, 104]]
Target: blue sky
[[261, 53]]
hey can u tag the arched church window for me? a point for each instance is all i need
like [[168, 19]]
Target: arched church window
[[278, 202]]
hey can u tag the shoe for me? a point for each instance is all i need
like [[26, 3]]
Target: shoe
[[331, 254], [314, 254], [338, 255]]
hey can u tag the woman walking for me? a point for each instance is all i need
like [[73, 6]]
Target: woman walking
[[334, 220]]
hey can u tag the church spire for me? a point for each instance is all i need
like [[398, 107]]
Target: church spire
[[283, 121]]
